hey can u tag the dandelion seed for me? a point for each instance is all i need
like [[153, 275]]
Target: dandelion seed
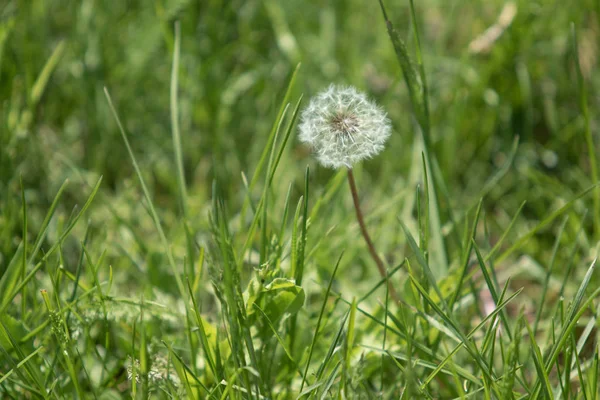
[[343, 127]]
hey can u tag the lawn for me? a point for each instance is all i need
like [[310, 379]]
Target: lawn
[[171, 225]]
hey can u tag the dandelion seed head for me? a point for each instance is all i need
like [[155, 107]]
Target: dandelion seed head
[[343, 127]]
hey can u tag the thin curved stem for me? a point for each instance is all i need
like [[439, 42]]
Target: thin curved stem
[[365, 233]]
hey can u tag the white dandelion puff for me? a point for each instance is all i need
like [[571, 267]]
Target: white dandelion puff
[[343, 127]]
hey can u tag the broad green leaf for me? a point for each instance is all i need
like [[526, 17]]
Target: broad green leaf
[[280, 297], [15, 328]]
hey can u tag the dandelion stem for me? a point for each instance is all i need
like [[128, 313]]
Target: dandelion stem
[[363, 229]]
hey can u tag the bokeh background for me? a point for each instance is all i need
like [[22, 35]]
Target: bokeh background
[[506, 114], [236, 59]]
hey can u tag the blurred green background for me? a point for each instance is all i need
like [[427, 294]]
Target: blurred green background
[[506, 115], [237, 56]]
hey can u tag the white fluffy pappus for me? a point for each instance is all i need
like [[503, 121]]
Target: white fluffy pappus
[[342, 126]]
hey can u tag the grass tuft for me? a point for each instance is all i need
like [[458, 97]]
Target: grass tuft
[[174, 240]]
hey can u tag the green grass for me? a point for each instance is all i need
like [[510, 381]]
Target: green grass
[[163, 234]]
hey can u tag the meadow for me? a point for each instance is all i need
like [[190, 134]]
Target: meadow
[[165, 234]]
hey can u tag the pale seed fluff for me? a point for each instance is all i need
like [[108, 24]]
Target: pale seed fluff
[[342, 126]]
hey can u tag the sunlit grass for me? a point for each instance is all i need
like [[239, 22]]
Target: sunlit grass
[[163, 233]]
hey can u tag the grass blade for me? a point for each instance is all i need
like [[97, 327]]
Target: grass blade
[[176, 134], [317, 328], [152, 211]]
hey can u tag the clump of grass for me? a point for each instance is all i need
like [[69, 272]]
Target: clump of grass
[[212, 262]]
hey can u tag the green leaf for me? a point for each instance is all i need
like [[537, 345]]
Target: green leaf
[[15, 328], [9, 279], [280, 297]]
